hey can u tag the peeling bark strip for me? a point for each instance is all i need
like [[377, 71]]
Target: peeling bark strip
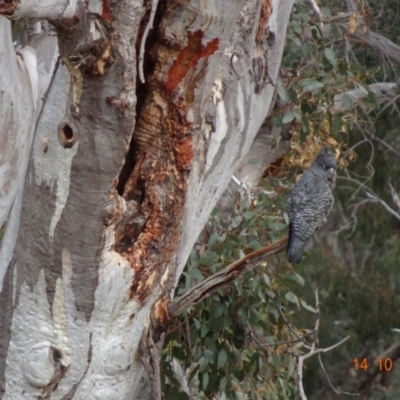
[[189, 57], [266, 11], [163, 142], [264, 40]]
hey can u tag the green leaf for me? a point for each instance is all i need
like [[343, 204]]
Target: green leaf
[[203, 364], [204, 329], [228, 329], [356, 67], [292, 298], [363, 88], [261, 294], [310, 85], [372, 100], [266, 279], [248, 215], [291, 367], [306, 48], [336, 125], [255, 244], [222, 383], [209, 355], [275, 360], [195, 274], [283, 93], [213, 239], [197, 323], [347, 102], [222, 358], [299, 279], [330, 55], [193, 374], [236, 221], [288, 117], [336, 32], [255, 282], [307, 306], [205, 380], [326, 12], [218, 309]]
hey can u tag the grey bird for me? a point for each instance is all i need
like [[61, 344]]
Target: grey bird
[[310, 202]]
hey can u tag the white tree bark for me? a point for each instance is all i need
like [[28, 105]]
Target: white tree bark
[[121, 177], [16, 117]]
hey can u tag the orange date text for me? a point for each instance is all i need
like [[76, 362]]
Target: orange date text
[[384, 364]]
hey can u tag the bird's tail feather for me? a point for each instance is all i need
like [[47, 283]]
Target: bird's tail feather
[[295, 248]]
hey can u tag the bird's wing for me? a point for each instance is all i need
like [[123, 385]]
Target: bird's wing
[[309, 205]]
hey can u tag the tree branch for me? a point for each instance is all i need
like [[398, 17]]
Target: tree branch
[[50, 10], [382, 45], [384, 204], [395, 196], [317, 12], [314, 351], [361, 35], [385, 92], [203, 289]]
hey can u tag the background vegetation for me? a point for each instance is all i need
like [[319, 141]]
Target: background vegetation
[[243, 342]]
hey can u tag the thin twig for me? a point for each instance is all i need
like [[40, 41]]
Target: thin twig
[[313, 351], [317, 12], [329, 381], [315, 339], [384, 204], [308, 355], [151, 361], [239, 183], [187, 330], [289, 325], [395, 196], [263, 345], [149, 26]]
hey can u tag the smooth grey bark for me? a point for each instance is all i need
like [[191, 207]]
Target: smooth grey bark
[[121, 178]]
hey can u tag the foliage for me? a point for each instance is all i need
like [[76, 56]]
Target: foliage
[[221, 340], [358, 276], [314, 72]]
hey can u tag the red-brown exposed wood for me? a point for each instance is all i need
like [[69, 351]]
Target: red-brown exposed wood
[[189, 57], [164, 133], [266, 11], [106, 11], [161, 312], [7, 7]]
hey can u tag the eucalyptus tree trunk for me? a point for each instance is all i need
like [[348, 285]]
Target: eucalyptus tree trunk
[[107, 174]]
